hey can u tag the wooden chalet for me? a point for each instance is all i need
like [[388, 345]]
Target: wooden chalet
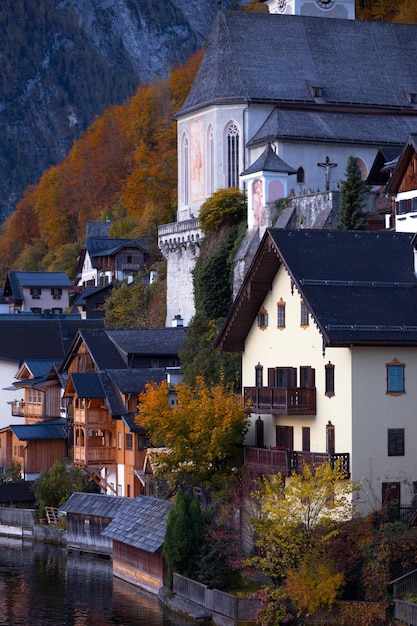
[[138, 534], [87, 516], [106, 372], [43, 438]]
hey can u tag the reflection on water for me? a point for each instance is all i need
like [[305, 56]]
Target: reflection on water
[[43, 586]]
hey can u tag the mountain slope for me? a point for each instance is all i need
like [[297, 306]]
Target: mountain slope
[[64, 62]]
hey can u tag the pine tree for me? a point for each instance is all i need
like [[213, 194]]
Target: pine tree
[[352, 192]]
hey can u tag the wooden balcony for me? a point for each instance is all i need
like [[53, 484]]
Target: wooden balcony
[[92, 416], [96, 456], [18, 409], [277, 461], [282, 401]]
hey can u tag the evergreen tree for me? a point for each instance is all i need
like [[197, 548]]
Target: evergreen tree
[[183, 536], [352, 193]]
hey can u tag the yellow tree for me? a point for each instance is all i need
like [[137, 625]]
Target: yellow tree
[[200, 436]]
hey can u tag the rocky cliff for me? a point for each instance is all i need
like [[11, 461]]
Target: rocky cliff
[[65, 61]]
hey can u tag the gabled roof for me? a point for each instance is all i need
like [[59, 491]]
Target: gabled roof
[[134, 380], [409, 149], [111, 349], [263, 58], [16, 281], [383, 164], [94, 504], [104, 246], [269, 161], [359, 286], [34, 371], [93, 293], [141, 524], [50, 429]]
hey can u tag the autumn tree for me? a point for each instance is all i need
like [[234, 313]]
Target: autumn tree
[[297, 518], [352, 192], [134, 305], [201, 435]]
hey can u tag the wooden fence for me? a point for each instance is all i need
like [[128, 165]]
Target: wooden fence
[[214, 600]]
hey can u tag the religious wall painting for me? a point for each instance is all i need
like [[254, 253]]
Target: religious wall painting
[[259, 210], [197, 163]]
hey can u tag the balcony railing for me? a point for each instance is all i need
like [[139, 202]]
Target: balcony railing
[[283, 401], [95, 456], [92, 416], [18, 409], [277, 461]]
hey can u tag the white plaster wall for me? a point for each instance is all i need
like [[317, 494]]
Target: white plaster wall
[[373, 412], [296, 346], [8, 371], [45, 300]]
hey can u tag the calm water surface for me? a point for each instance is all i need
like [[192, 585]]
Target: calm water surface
[[41, 585]]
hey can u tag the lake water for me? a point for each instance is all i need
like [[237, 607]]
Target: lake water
[[42, 585]]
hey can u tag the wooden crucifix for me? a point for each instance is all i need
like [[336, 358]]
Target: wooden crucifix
[[327, 165]]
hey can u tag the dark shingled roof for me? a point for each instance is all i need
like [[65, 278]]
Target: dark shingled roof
[[316, 64], [326, 126], [16, 280], [134, 380], [141, 523], [47, 339], [154, 341], [94, 504], [51, 429], [359, 286], [269, 161]]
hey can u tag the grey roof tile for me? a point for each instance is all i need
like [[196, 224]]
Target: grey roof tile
[[141, 524], [94, 504], [257, 57]]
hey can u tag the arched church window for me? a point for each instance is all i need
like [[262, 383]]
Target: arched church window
[[301, 176], [185, 156], [232, 156], [362, 167], [210, 160]]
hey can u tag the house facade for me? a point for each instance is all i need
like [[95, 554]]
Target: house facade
[[106, 371], [37, 291], [104, 259], [41, 438], [325, 322]]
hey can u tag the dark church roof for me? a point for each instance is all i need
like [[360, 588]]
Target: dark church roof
[[269, 161], [359, 286], [307, 62]]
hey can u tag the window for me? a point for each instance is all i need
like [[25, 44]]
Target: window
[[281, 314], [119, 441], [35, 292], [210, 161], [56, 310], [329, 379], [301, 176], [395, 377], [258, 375], [232, 142], [286, 377], [56, 293], [185, 156], [36, 309], [129, 441], [306, 438], [330, 438], [307, 377], [304, 314], [395, 441], [263, 319], [154, 363]]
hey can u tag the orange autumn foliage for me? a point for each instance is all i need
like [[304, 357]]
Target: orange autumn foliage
[[127, 157]]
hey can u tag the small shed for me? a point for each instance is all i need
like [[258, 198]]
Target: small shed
[[138, 534], [87, 515]]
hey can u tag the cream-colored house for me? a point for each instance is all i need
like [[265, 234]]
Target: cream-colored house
[[326, 322]]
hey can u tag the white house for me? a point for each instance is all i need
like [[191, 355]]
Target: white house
[[326, 324], [37, 291]]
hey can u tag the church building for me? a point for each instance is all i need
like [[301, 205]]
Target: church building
[[281, 100]]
